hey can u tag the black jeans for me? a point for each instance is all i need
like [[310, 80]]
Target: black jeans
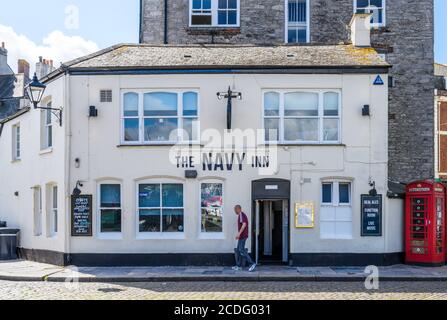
[[243, 253]]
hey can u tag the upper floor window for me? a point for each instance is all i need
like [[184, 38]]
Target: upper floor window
[[160, 117], [16, 152], [297, 18], [302, 116], [46, 128], [214, 13], [376, 7]]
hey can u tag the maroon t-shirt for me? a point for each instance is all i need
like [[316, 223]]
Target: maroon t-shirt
[[241, 220]]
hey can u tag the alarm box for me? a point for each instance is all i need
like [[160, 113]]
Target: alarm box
[[425, 223]]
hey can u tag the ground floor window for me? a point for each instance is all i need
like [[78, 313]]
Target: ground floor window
[[37, 194], [110, 208], [336, 210], [160, 208], [211, 202], [51, 210]]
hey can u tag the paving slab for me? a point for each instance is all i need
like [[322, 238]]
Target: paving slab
[[19, 270]]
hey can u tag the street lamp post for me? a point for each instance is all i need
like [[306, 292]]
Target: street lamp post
[[35, 90]]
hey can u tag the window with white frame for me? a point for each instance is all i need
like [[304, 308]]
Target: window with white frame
[[110, 208], [46, 128], [214, 13], [54, 214], [160, 117], [302, 116], [297, 21], [16, 152], [211, 203], [376, 7], [37, 199], [336, 210], [160, 208]]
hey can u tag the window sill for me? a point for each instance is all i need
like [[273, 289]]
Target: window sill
[[46, 151], [161, 236], [133, 145], [211, 236], [302, 145], [110, 236], [213, 30], [16, 160]]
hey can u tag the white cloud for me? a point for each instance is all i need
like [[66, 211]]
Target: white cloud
[[55, 46]]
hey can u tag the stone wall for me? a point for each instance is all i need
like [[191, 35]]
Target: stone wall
[[407, 40]]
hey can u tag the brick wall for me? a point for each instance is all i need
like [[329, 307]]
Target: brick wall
[[407, 41]]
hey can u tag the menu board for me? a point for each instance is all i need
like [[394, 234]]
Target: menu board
[[81, 216], [371, 216]]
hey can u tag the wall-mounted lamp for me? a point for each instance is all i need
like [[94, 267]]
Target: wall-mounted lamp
[[93, 112], [77, 163], [76, 190], [373, 191], [366, 111], [35, 90]]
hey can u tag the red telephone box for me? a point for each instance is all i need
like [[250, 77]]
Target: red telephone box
[[424, 223]]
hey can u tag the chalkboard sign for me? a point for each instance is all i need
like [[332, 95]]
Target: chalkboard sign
[[81, 216], [371, 216]]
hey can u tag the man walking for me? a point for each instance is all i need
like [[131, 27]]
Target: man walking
[[241, 238]]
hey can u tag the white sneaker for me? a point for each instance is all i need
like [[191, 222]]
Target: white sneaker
[[252, 268], [236, 269]]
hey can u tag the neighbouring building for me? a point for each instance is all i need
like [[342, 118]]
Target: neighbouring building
[[140, 173], [441, 120], [12, 86], [403, 32]]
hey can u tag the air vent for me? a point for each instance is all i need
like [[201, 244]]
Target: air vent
[[187, 56], [105, 95]]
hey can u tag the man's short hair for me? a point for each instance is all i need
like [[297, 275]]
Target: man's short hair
[[238, 206]]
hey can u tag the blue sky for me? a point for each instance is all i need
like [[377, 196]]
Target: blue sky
[[101, 23]]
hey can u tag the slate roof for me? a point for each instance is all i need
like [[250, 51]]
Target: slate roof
[[11, 91], [137, 56]]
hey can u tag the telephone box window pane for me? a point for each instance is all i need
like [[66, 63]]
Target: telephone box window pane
[[172, 196], [149, 196], [301, 130], [327, 193], [344, 191], [131, 130], [173, 220], [131, 104], [110, 220], [150, 220], [301, 104], [160, 104], [190, 104], [159, 129], [110, 196]]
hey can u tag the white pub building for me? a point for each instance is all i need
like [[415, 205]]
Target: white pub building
[[155, 145]]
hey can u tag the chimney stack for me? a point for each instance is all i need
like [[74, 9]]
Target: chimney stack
[[23, 67], [44, 67], [361, 30], [4, 68]]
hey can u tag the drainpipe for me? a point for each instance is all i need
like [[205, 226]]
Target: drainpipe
[[166, 22]]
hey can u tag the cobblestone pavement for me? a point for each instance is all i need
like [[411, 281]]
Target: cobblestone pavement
[[221, 291]]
